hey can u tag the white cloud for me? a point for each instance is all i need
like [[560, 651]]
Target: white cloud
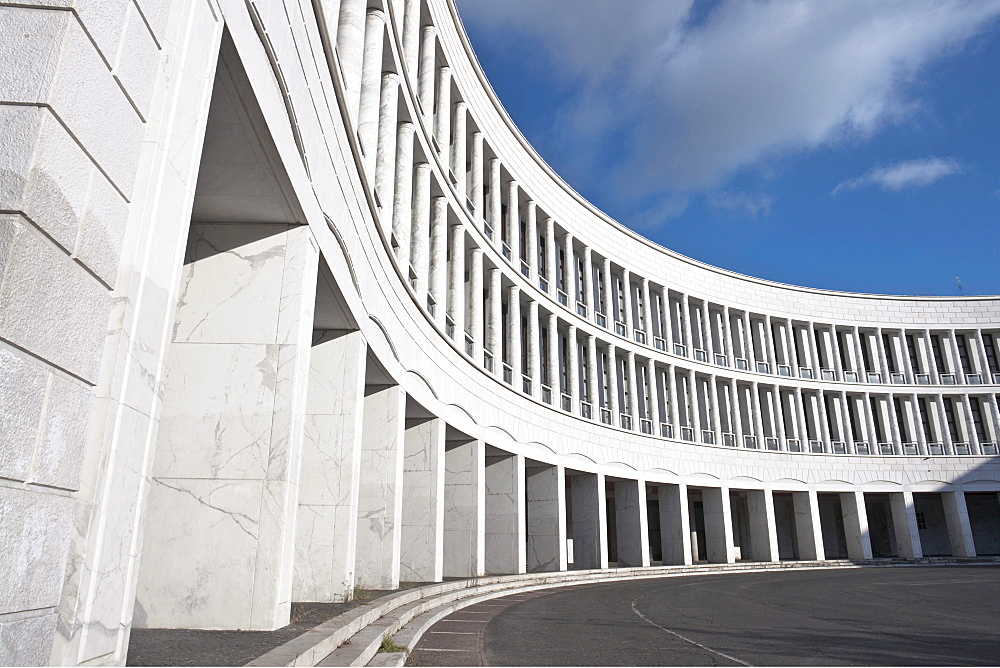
[[740, 205], [700, 97], [902, 175]]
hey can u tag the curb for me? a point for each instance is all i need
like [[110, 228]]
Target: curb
[[353, 638]]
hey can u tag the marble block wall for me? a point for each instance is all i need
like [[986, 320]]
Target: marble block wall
[[422, 545], [505, 545], [718, 525], [590, 524], [326, 530], [380, 494], [464, 508], [545, 491], [630, 523], [959, 528], [675, 530], [223, 496], [904, 523]]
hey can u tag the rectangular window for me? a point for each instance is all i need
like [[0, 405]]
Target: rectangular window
[[921, 520]]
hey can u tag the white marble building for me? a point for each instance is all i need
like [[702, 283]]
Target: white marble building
[[288, 307]]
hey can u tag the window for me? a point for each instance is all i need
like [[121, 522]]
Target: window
[[921, 521]]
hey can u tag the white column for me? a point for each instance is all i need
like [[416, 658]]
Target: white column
[[957, 519], [763, 530], [534, 352], [550, 254], [808, 532], [496, 322], [573, 373], [609, 291], [590, 524], [493, 207], [411, 34], [613, 384], [505, 514], [718, 525], [514, 224], [706, 331], [385, 155], [588, 280], [327, 519], [627, 302], [422, 544], [442, 113], [737, 418], [904, 523], [592, 382], [672, 393], [694, 404], [420, 230], [569, 272], [371, 83], [439, 257], [514, 334], [380, 496], [428, 58], [477, 175], [350, 49], [476, 311], [630, 523], [553, 358], [458, 151], [754, 405], [647, 313], [402, 201], [668, 333], [465, 508], [675, 531], [727, 335], [531, 240], [686, 325], [545, 496], [859, 544], [456, 281], [633, 389], [713, 393], [654, 402]]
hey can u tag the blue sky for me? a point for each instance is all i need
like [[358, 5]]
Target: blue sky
[[850, 145]]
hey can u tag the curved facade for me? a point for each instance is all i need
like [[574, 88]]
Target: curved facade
[[289, 307]]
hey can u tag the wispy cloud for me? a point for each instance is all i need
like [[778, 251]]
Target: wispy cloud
[[908, 174], [740, 205], [672, 97]]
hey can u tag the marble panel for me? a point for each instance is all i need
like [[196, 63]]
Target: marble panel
[[904, 522], [590, 533], [718, 525], [763, 532], [35, 534], [859, 544], [217, 411], [204, 520], [422, 540], [464, 509], [22, 394], [505, 541], [675, 531], [326, 530], [380, 493], [230, 287], [544, 490], [630, 523], [956, 515], [808, 529]]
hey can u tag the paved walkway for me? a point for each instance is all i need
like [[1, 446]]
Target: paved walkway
[[876, 616]]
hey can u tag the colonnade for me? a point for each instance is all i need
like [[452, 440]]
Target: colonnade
[[548, 313]]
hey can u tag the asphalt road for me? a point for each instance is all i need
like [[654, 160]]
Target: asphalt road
[[914, 616]]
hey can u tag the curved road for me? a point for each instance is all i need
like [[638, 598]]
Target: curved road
[[912, 616]]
